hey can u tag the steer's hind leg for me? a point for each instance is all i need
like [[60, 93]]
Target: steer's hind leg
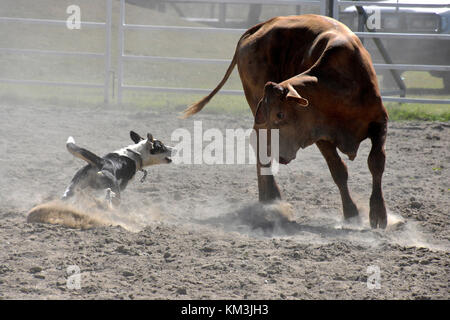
[[339, 173], [376, 162]]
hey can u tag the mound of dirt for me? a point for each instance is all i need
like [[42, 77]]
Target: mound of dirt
[[267, 218], [57, 212]]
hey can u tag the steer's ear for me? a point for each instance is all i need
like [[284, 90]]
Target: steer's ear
[[271, 89], [261, 113], [293, 95]]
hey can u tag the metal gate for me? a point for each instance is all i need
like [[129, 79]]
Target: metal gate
[[327, 7], [106, 55]]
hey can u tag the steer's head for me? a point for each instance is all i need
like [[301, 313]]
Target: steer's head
[[283, 108]]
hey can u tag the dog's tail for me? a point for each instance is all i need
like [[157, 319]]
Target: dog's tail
[[84, 154]]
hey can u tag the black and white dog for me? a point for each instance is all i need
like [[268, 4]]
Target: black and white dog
[[113, 171]]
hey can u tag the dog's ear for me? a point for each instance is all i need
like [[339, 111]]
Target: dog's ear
[[135, 137], [150, 137]]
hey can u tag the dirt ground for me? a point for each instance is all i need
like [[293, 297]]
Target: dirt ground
[[197, 231]]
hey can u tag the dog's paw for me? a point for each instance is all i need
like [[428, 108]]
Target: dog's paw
[[110, 195], [112, 199]]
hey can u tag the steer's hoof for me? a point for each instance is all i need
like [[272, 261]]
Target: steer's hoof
[[269, 197], [350, 211], [378, 220]]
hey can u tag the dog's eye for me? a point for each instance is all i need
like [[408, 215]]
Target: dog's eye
[[158, 147], [280, 115]]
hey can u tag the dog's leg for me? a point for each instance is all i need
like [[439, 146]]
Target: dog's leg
[[115, 200], [113, 192], [79, 176], [112, 198], [108, 197], [70, 191]]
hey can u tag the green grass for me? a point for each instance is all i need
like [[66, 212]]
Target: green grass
[[420, 111], [409, 111], [145, 73]]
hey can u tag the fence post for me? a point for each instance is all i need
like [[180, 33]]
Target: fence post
[[120, 55], [335, 11], [384, 53], [108, 50], [222, 14], [327, 7]]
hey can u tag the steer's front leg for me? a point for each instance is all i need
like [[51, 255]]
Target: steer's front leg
[[268, 188]]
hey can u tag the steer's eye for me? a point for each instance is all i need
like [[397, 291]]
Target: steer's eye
[[280, 115]]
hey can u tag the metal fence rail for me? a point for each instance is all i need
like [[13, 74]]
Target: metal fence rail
[[385, 35], [52, 22], [267, 2], [392, 4], [326, 7], [105, 55], [124, 26], [388, 35], [322, 3]]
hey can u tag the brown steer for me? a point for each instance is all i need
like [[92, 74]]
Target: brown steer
[[310, 77]]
